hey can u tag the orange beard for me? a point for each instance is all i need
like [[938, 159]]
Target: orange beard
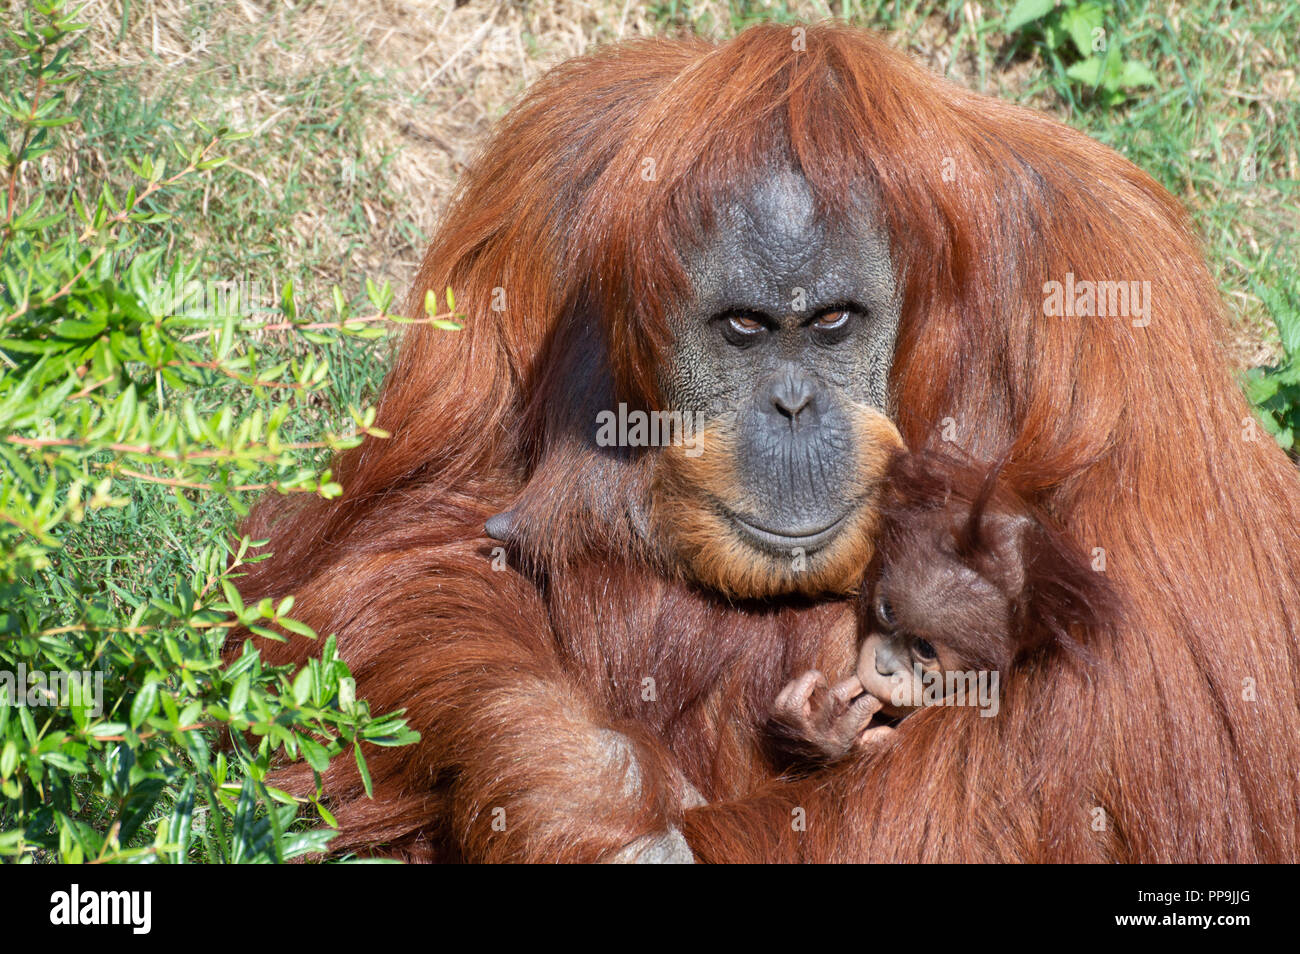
[[691, 494]]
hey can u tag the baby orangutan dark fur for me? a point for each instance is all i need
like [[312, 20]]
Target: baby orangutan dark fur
[[969, 583]]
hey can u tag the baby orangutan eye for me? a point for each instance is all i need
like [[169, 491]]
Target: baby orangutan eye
[[923, 651], [885, 614]]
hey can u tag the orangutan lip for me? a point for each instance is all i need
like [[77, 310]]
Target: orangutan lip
[[784, 542]]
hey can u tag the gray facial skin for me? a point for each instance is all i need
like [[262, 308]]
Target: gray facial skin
[[792, 324]]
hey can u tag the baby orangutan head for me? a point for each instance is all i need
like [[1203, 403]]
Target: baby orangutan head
[[968, 577], [967, 581]]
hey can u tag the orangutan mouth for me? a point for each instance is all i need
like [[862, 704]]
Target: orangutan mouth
[[774, 541]]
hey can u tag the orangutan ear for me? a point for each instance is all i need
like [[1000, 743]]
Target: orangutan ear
[[1000, 554]]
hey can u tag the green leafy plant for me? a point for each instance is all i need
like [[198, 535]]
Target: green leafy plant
[[1275, 390], [1080, 48], [125, 390]]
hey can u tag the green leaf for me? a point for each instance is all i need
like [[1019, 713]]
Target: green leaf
[[232, 597], [317, 755], [1089, 71], [28, 725], [239, 696], [8, 758], [364, 770], [81, 329], [1136, 74], [298, 627], [1027, 11], [137, 806], [106, 729], [1081, 23], [64, 763], [302, 686], [306, 843], [181, 822], [1259, 386], [146, 700]]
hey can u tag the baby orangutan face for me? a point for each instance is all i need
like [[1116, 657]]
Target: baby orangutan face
[[967, 578], [922, 611], [931, 615]]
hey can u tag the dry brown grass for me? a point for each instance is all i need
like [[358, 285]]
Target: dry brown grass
[[449, 72]]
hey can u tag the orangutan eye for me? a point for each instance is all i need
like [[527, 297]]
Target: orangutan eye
[[745, 325], [924, 651], [885, 614], [831, 321], [833, 327], [741, 328]]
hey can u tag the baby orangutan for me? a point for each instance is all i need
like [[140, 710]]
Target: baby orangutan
[[968, 580]]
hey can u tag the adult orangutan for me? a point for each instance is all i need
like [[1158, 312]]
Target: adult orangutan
[[782, 237]]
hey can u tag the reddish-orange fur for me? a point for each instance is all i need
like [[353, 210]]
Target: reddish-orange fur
[[1131, 437]]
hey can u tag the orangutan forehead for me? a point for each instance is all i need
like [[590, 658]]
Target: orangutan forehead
[[779, 209], [773, 249]]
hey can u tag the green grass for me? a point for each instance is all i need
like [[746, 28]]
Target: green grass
[[314, 162], [103, 386]]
